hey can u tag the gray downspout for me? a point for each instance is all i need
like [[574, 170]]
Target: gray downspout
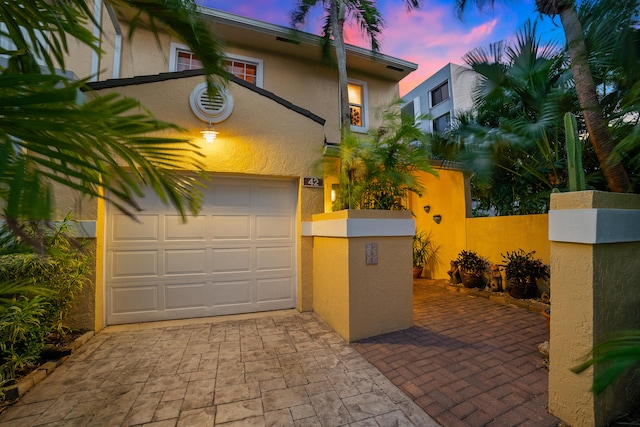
[[95, 58], [117, 53]]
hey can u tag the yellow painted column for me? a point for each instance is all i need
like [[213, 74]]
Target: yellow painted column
[[595, 265], [362, 280]]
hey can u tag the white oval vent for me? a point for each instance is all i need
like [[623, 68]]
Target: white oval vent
[[209, 109]]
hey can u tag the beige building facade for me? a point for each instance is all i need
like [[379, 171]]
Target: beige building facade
[[245, 251]]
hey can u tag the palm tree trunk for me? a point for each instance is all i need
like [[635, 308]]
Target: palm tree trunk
[[338, 18], [612, 168]]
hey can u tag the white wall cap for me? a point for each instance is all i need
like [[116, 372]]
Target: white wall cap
[[594, 226], [360, 227]]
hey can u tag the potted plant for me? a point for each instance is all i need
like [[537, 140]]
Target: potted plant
[[425, 253], [522, 271], [472, 268]]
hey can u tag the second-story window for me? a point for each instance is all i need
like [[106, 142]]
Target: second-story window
[[247, 69], [439, 94], [441, 124], [187, 61], [358, 106]]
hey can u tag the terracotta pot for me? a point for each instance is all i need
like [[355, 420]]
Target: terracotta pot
[[470, 280], [417, 272], [522, 289]]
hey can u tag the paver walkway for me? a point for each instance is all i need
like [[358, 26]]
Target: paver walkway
[[467, 361], [274, 369]]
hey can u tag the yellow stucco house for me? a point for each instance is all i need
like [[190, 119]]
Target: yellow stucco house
[[246, 250]]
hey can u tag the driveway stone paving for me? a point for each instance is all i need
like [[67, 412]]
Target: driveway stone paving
[[269, 369]]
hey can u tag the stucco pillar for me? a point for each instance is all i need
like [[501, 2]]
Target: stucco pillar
[[362, 280], [595, 265]]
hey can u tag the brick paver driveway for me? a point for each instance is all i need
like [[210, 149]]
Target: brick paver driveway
[[467, 361]]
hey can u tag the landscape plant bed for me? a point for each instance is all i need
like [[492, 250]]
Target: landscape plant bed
[[54, 354], [531, 304]]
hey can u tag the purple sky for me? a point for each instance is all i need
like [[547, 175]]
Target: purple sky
[[431, 36]]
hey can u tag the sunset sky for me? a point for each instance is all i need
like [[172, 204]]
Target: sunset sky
[[431, 36]]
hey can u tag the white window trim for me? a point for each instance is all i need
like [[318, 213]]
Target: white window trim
[[365, 107], [173, 60], [416, 110]]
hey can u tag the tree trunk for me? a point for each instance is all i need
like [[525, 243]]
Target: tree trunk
[[338, 18], [612, 168]]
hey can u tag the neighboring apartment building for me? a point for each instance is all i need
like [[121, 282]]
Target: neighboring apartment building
[[440, 97], [247, 250]]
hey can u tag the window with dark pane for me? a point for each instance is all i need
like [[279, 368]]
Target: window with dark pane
[[439, 94], [441, 124]]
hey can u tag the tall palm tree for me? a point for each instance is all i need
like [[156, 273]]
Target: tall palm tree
[[336, 12], [612, 167], [49, 131], [516, 121]]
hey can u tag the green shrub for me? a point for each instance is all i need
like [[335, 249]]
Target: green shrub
[[37, 290]]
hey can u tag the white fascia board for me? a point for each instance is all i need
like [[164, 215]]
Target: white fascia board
[[357, 227], [594, 226]]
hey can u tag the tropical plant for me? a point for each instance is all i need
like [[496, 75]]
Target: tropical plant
[[513, 136], [378, 172], [612, 358], [585, 86], [22, 336], [51, 132], [36, 291], [336, 13], [522, 270], [471, 263]]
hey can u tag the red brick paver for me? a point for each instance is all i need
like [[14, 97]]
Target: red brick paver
[[467, 361]]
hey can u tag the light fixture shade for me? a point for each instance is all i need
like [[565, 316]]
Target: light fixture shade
[[209, 133]]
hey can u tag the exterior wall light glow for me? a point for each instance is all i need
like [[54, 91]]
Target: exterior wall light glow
[[209, 133]]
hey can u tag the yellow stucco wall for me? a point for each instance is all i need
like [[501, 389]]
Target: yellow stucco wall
[[331, 282], [447, 196], [594, 295], [357, 299]]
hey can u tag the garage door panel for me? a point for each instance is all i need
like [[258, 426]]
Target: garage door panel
[[134, 299], [274, 227], [231, 260], [231, 292], [185, 261], [274, 258], [275, 289], [274, 197], [183, 296], [228, 227], [127, 230], [230, 195], [132, 264], [236, 256], [193, 230]]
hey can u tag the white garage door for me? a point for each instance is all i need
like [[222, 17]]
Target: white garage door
[[236, 256]]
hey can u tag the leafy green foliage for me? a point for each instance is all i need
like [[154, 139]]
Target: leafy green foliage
[[425, 250], [36, 291], [611, 359], [51, 131], [472, 263], [520, 265], [379, 171]]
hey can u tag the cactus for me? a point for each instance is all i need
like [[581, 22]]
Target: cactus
[[574, 154]]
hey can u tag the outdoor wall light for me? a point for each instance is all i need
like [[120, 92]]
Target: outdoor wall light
[[209, 133], [437, 218], [427, 208], [334, 192]]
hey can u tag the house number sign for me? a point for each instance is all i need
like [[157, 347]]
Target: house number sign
[[309, 181]]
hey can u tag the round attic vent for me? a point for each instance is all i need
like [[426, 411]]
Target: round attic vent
[[209, 109]]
